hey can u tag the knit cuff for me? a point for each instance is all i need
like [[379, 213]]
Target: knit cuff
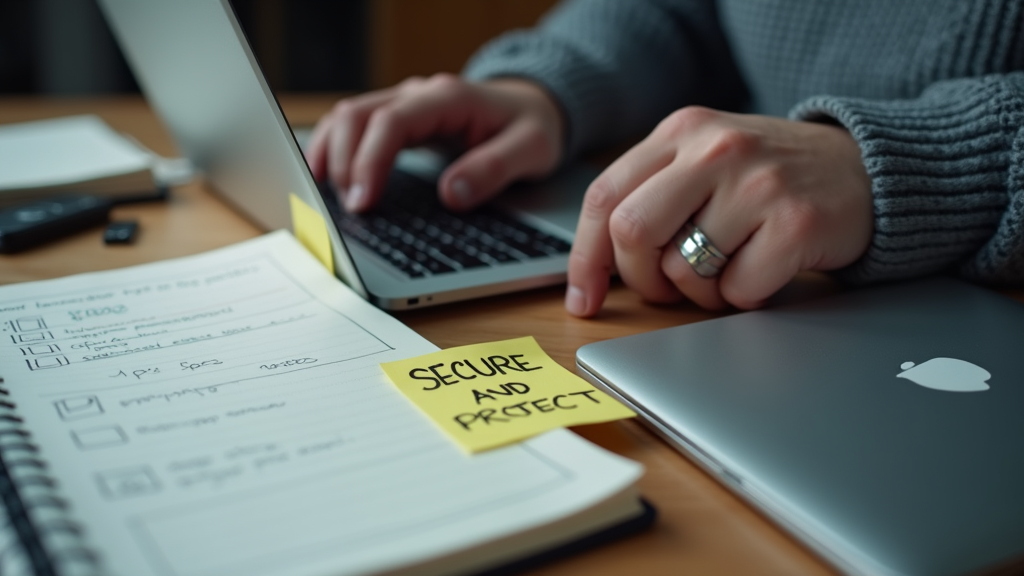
[[940, 173], [580, 90]]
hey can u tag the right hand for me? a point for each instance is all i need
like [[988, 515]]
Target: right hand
[[512, 129]]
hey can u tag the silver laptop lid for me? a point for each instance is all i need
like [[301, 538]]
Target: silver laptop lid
[[814, 414], [198, 71]]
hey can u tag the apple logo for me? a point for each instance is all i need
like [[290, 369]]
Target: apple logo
[[947, 374]]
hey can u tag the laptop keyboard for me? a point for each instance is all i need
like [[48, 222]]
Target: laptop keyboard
[[415, 233]]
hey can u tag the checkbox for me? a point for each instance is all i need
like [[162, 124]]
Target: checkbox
[[101, 437]]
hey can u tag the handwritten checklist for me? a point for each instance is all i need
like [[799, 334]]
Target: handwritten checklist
[[226, 413]]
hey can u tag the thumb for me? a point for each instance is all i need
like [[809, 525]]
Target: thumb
[[521, 150]]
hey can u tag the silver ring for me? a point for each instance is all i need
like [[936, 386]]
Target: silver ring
[[707, 261]]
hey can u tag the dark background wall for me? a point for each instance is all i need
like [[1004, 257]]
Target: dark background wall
[[63, 47]]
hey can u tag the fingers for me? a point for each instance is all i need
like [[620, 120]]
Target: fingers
[[740, 220], [443, 106], [355, 145], [649, 218], [654, 189], [762, 265], [522, 150], [773, 195], [592, 256], [702, 291], [727, 220], [766, 232], [513, 129], [337, 135], [730, 233]]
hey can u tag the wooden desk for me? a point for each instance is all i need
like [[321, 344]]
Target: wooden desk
[[702, 528]]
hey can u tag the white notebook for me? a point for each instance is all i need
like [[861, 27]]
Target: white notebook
[[225, 414], [79, 154]]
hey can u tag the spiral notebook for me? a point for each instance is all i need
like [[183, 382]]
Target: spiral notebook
[[225, 414], [13, 560]]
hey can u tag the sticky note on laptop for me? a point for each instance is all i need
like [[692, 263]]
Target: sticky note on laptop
[[488, 395], [311, 231]]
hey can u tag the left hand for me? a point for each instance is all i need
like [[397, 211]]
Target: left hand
[[776, 196]]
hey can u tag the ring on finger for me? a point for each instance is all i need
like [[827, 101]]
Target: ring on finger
[[706, 260]]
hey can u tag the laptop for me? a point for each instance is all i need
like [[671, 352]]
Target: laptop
[[197, 69], [883, 427]]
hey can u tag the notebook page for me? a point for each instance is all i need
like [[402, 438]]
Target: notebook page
[[225, 413]]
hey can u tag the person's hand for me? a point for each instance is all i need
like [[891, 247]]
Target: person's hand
[[512, 129], [775, 196]]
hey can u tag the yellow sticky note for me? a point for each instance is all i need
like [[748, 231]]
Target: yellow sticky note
[[311, 230], [488, 395]]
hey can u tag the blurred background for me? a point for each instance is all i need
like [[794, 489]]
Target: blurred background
[[64, 48]]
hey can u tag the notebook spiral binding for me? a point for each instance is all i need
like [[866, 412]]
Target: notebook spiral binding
[[52, 541]]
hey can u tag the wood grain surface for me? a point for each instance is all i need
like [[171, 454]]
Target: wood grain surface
[[701, 529]]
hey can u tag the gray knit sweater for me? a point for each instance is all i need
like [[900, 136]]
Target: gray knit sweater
[[932, 90]]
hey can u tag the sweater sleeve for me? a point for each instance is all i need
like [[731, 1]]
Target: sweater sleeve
[[947, 173], [618, 67]]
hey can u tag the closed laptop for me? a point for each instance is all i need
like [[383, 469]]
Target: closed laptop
[[884, 427]]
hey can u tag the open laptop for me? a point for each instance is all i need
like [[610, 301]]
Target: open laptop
[[883, 427], [197, 69]]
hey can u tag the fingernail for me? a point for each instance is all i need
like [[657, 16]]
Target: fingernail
[[354, 197], [575, 301], [462, 191]]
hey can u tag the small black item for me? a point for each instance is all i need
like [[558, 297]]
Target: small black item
[[122, 232], [28, 225]]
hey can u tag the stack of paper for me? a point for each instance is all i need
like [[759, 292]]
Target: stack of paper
[[72, 154]]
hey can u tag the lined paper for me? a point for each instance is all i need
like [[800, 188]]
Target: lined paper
[[225, 413]]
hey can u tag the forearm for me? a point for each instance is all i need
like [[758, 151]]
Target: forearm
[[617, 68], [947, 172]]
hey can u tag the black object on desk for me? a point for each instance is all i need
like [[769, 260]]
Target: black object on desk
[[120, 232], [28, 225]]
